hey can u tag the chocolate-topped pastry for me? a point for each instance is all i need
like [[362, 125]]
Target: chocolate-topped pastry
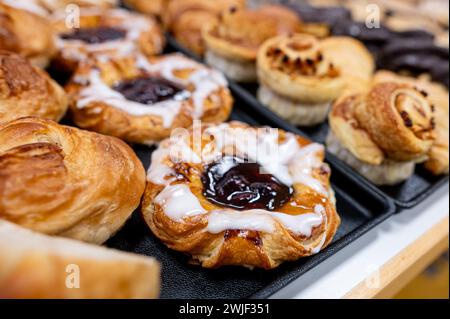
[[95, 35]]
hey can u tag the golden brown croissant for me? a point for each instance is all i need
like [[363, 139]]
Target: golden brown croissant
[[383, 133], [154, 7], [233, 42], [28, 91], [38, 266], [64, 181], [185, 19], [438, 157], [236, 195], [301, 75], [142, 100], [36, 43], [105, 33]]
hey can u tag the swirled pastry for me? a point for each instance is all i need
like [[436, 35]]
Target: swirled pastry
[[438, 157], [142, 100], [36, 266], [237, 195], [113, 32], [26, 90], [233, 42], [383, 133], [300, 75], [64, 181], [36, 43]]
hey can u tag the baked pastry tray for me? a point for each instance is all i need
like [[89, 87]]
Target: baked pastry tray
[[359, 207], [406, 195]]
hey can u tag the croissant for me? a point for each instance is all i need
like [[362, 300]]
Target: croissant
[[383, 133], [438, 157], [185, 19], [142, 100], [105, 33], [28, 91], [62, 181], [301, 75], [232, 194], [39, 266], [233, 42], [35, 43]]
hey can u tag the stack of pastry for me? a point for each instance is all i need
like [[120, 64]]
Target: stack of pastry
[[384, 132], [301, 75], [233, 41]]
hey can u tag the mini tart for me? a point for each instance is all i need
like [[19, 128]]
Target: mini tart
[[253, 218], [301, 76], [142, 100], [105, 32], [233, 42], [383, 133], [36, 43], [185, 19], [26, 90]]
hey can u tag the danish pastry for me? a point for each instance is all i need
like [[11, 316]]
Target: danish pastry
[[142, 100], [300, 75], [233, 42], [231, 194], [38, 266], [36, 43], [185, 19], [26, 90], [63, 181], [438, 157], [112, 32], [383, 133]]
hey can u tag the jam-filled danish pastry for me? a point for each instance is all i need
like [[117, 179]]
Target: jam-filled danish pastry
[[231, 194], [27, 33], [383, 133], [63, 181], [105, 32], [142, 100], [300, 75], [26, 90], [232, 43]]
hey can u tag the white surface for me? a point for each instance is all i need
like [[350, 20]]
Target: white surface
[[359, 261]]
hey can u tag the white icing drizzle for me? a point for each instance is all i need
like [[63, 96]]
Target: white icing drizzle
[[205, 81], [27, 5], [292, 163], [133, 24], [99, 91]]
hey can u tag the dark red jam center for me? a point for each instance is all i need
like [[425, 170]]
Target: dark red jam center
[[147, 90], [236, 183], [95, 35]]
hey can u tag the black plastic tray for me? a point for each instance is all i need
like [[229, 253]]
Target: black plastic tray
[[405, 195], [360, 209]]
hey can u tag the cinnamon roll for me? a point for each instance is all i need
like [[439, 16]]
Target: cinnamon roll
[[185, 19], [36, 43], [26, 90], [231, 194], [113, 32], [63, 181], [438, 157], [142, 100], [233, 42], [301, 75], [383, 133], [35, 266]]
